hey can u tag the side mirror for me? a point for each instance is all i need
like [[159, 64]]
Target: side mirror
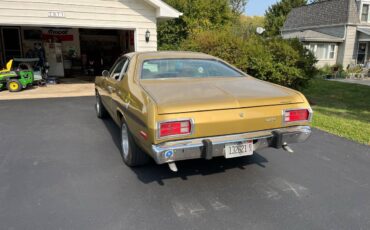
[[105, 73]]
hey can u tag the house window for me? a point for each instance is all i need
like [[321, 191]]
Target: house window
[[365, 13], [331, 51], [323, 51]]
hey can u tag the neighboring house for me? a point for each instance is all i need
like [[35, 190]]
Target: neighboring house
[[73, 32], [337, 31]]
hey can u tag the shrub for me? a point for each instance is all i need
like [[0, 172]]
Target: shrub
[[219, 44], [285, 62], [328, 71], [324, 71]]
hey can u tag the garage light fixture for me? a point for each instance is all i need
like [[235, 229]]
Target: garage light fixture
[[147, 36]]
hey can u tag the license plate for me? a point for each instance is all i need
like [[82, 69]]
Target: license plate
[[239, 150]]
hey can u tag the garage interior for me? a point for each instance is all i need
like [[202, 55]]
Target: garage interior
[[69, 53]]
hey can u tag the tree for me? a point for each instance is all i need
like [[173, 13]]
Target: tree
[[238, 6], [276, 15], [198, 15]]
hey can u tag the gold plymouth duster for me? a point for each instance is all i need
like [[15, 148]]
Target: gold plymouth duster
[[174, 106]]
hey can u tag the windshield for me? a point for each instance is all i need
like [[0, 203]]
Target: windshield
[[186, 68]]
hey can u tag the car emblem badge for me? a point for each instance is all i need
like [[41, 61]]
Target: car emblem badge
[[241, 115], [169, 153]]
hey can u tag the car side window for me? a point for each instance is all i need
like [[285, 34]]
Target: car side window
[[114, 65], [125, 68], [116, 72]]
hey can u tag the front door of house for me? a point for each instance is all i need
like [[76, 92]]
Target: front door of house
[[362, 53]]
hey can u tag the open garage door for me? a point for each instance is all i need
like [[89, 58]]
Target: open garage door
[[101, 47], [67, 52]]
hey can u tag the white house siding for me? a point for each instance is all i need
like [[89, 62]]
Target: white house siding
[[322, 63], [110, 14], [347, 50]]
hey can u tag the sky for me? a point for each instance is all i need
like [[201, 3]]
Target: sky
[[258, 7]]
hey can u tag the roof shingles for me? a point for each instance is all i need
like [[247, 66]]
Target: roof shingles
[[330, 12]]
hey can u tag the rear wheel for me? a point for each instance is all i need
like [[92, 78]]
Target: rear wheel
[[131, 153], [14, 85], [101, 112]]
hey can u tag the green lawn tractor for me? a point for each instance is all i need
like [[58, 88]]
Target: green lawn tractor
[[16, 77]]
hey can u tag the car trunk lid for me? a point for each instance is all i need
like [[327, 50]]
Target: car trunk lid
[[196, 95]]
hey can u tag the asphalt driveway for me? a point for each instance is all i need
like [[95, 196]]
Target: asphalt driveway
[[60, 168]]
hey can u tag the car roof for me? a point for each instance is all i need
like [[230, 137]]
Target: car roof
[[170, 54]]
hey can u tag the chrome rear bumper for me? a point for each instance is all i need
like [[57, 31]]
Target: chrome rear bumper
[[209, 147]]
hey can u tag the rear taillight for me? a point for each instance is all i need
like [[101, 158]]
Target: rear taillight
[[174, 128], [296, 115]]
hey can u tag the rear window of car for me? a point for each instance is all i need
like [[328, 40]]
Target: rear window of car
[[186, 68]]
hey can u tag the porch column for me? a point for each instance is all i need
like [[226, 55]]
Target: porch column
[[348, 49]]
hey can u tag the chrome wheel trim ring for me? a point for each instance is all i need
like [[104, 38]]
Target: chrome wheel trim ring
[[124, 141]]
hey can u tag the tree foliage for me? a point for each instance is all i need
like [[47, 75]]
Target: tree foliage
[[276, 15], [238, 6], [248, 24], [198, 15], [284, 62]]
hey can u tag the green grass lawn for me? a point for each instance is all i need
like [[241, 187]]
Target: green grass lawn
[[340, 108]]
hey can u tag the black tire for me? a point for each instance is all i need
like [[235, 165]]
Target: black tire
[[132, 155], [101, 112], [14, 85]]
